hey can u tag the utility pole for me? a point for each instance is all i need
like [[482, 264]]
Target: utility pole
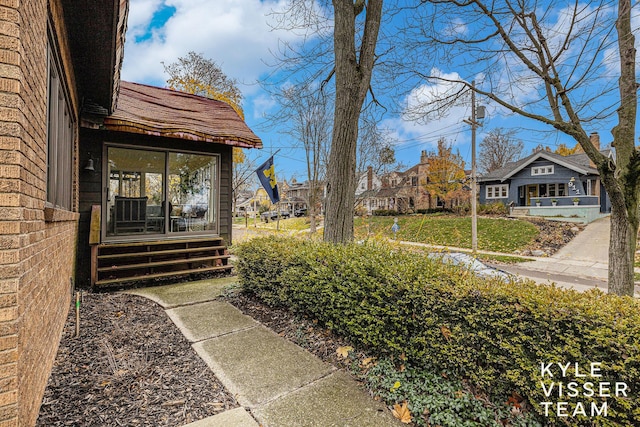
[[474, 124]]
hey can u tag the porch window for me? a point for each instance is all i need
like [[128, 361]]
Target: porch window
[[542, 170], [497, 191], [160, 192], [192, 192], [557, 190], [60, 140]]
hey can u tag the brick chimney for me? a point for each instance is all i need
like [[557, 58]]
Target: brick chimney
[[369, 178], [595, 140], [424, 159]]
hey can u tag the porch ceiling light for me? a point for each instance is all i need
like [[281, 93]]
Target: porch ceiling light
[[89, 165]]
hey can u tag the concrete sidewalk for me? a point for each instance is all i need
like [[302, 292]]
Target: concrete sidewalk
[[581, 264], [276, 382]]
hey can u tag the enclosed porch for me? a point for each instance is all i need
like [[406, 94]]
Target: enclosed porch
[[156, 187]]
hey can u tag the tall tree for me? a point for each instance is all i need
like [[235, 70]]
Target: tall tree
[[353, 69], [498, 148], [201, 76], [445, 175], [557, 63], [304, 115]]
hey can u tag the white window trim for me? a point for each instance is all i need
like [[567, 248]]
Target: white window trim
[[497, 191], [542, 170]]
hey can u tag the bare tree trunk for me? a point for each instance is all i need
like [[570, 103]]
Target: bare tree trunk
[[622, 246], [312, 199], [352, 77], [625, 193]]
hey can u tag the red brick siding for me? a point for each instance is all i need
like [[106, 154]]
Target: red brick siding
[[36, 256]]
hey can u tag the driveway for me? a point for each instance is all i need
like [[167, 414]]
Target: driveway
[[581, 264], [592, 244]]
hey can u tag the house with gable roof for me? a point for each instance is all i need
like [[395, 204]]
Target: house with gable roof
[[545, 183]]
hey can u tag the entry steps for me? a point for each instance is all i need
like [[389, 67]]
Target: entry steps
[[117, 263]]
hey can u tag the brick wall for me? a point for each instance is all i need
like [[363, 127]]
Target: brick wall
[[36, 255]]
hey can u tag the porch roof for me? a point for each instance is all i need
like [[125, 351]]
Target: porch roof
[[168, 113], [576, 162]]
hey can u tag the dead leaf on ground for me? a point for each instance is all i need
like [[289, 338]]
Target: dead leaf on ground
[[367, 362], [344, 351], [402, 413]]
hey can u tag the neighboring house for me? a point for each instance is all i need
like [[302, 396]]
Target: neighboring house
[[243, 203], [367, 181], [296, 196], [251, 204], [400, 191], [85, 158], [403, 192], [547, 178], [366, 190]]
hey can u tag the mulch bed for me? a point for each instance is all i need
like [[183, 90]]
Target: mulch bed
[[553, 235], [130, 366]]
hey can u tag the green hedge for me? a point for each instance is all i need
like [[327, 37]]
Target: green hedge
[[493, 335], [385, 212]]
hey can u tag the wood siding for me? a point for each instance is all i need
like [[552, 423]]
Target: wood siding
[[92, 146]]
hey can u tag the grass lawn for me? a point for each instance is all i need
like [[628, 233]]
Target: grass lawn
[[291, 224], [494, 234]]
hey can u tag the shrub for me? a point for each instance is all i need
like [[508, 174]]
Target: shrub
[[490, 334], [462, 209], [384, 212], [497, 208], [432, 211]]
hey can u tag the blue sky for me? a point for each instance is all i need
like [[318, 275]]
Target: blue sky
[[239, 36]]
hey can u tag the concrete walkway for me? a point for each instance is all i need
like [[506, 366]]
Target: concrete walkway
[[581, 264], [277, 382]]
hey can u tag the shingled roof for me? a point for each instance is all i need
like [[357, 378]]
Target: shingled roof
[[577, 162], [164, 112]]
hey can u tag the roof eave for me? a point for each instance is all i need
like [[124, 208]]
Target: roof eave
[[96, 39], [130, 127], [543, 155]]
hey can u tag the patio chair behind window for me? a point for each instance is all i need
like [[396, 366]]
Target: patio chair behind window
[[130, 215]]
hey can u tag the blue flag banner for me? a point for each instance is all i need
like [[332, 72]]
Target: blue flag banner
[[267, 177]]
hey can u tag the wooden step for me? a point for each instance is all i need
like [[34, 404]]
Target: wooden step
[[105, 282], [162, 252], [161, 242], [162, 263], [139, 261]]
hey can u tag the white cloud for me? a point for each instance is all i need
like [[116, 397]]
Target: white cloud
[[140, 15], [262, 104], [234, 33], [426, 118]]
